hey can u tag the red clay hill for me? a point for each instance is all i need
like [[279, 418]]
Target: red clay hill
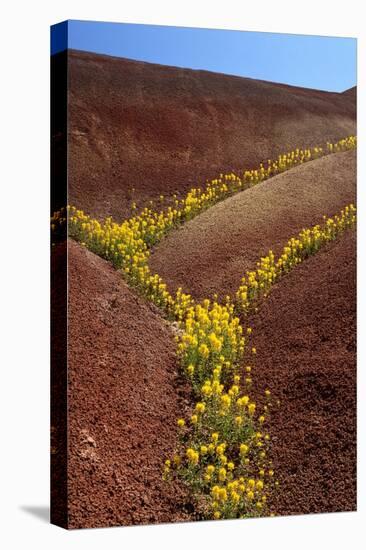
[[305, 334], [122, 402], [161, 129]]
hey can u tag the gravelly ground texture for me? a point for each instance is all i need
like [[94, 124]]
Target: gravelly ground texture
[[164, 129], [305, 334], [123, 402]]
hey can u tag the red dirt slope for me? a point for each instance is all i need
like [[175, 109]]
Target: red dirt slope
[[305, 334], [351, 93], [159, 129], [212, 252], [123, 402]]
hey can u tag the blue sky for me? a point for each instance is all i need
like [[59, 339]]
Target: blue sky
[[325, 63]]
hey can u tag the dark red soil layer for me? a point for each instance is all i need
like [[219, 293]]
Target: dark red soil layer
[[58, 416], [162, 129], [213, 251], [124, 399], [305, 334], [351, 93]]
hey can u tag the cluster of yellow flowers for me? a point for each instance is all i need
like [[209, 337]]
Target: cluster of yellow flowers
[[211, 346], [223, 455], [211, 335], [257, 284], [291, 159], [198, 199], [223, 448], [127, 245], [222, 452], [342, 145], [59, 225]]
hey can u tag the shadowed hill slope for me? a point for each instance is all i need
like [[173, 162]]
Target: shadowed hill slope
[[122, 393], [305, 334], [163, 129], [351, 93], [212, 252]]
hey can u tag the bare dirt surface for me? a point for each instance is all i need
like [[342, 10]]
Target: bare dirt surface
[[124, 399], [162, 129], [305, 334], [213, 251]]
